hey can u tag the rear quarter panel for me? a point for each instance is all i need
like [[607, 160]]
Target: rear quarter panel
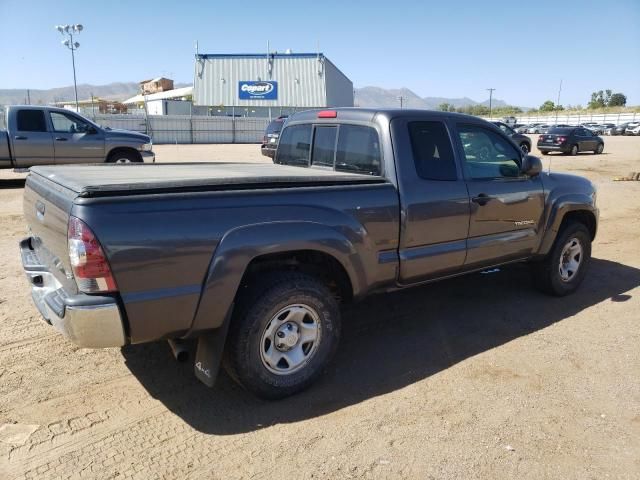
[[163, 249]]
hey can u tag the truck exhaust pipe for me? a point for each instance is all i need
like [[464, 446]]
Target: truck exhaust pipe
[[179, 350]]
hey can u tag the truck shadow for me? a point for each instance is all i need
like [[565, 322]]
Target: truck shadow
[[6, 183], [389, 342]]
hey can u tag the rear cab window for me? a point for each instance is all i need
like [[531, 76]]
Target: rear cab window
[[432, 151], [340, 147], [31, 121]]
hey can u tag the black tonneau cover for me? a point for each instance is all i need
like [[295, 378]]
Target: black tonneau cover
[[128, 179]]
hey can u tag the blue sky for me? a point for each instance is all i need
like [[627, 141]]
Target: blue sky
[[447, 48]]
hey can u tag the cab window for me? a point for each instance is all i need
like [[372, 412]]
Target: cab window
[[295, 146], [358, 150], [487, 155], [31, 121], [67, 123], [432, 152]]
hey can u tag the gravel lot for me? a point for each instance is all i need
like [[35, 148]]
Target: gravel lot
[[478, 377]]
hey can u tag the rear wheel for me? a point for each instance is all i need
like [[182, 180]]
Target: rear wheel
[[544, 152], [525, 148], [574, 150], [599, 149], [564, 267], [284, 334]]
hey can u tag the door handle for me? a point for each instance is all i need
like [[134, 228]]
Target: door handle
[[20, 137], [61, 139], [481, 199]]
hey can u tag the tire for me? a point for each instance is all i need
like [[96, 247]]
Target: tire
[[124, 156], [574, 150], [556, 277], [525, 148], [544, 152], [277, 309], [599, 149]]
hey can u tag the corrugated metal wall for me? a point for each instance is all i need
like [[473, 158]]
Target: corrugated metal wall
[[299, 84], [186, 129], [339, 87]]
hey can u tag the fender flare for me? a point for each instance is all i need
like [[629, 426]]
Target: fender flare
[[557, 212], [240, 246]]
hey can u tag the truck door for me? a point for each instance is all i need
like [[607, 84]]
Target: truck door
[[433, 198], [506, 206], [75, 139], [31, 142]]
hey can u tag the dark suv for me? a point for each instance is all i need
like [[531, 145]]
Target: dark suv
[[521, 140], [271, 134]]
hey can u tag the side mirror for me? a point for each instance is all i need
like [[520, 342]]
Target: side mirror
[[531, 165], [92, 130]]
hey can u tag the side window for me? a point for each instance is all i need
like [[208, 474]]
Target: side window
[[66, 123], [432, 151], [294, 146], [487, 154], [358, 150], [324, 146], [31, 121], [586, 132]]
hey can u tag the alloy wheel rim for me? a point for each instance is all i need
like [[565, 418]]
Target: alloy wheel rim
[[290, 339], [570, 260], [123, 160]]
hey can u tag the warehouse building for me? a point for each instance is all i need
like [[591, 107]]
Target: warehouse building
[[268, 85]]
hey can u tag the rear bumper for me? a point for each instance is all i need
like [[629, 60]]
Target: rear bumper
[[268, 151], [88, 321], [554, 148]]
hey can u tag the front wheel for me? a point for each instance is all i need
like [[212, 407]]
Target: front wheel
[[284, 334], [525, 148], [563, 269], [124, 156]]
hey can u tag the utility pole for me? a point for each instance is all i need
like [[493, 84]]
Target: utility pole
[[558, 102], [490, 90], [401, 98], [68, 30]]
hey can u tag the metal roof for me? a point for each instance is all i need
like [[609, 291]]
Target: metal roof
[[258, 55]]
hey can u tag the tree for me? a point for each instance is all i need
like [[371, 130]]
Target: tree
[[618, 100], [446, 107], [548, 106], [597, 100]]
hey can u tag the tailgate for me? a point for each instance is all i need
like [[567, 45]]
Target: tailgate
[[47, 206]]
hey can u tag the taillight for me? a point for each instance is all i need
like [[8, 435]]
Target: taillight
[[540, 138], [90, 266], [561, 139]]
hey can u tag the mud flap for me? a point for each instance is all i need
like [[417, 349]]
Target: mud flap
[[209, 353]]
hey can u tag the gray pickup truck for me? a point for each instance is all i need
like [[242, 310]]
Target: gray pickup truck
[[254, 260], [47, 135]]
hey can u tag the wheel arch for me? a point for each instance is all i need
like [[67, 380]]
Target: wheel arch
[[569, 211], [246, 253]]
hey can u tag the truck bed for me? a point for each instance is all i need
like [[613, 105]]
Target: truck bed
[[131, 179]]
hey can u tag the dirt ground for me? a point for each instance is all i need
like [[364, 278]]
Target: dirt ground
[[477, 377]]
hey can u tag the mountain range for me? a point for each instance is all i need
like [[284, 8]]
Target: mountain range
[[364, 97]]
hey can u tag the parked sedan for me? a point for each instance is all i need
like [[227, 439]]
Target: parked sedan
[[522, 140], [539, 128], [619, 129], [570, 141], [606, 127]]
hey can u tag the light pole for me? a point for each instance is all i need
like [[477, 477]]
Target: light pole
[[490, 90], [401, 98], [68, 31], [558, 102]]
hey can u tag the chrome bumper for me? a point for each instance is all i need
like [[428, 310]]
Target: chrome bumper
[[88, 321], [148, 156]]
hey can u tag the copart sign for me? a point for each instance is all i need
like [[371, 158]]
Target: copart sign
[[249, 90]]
